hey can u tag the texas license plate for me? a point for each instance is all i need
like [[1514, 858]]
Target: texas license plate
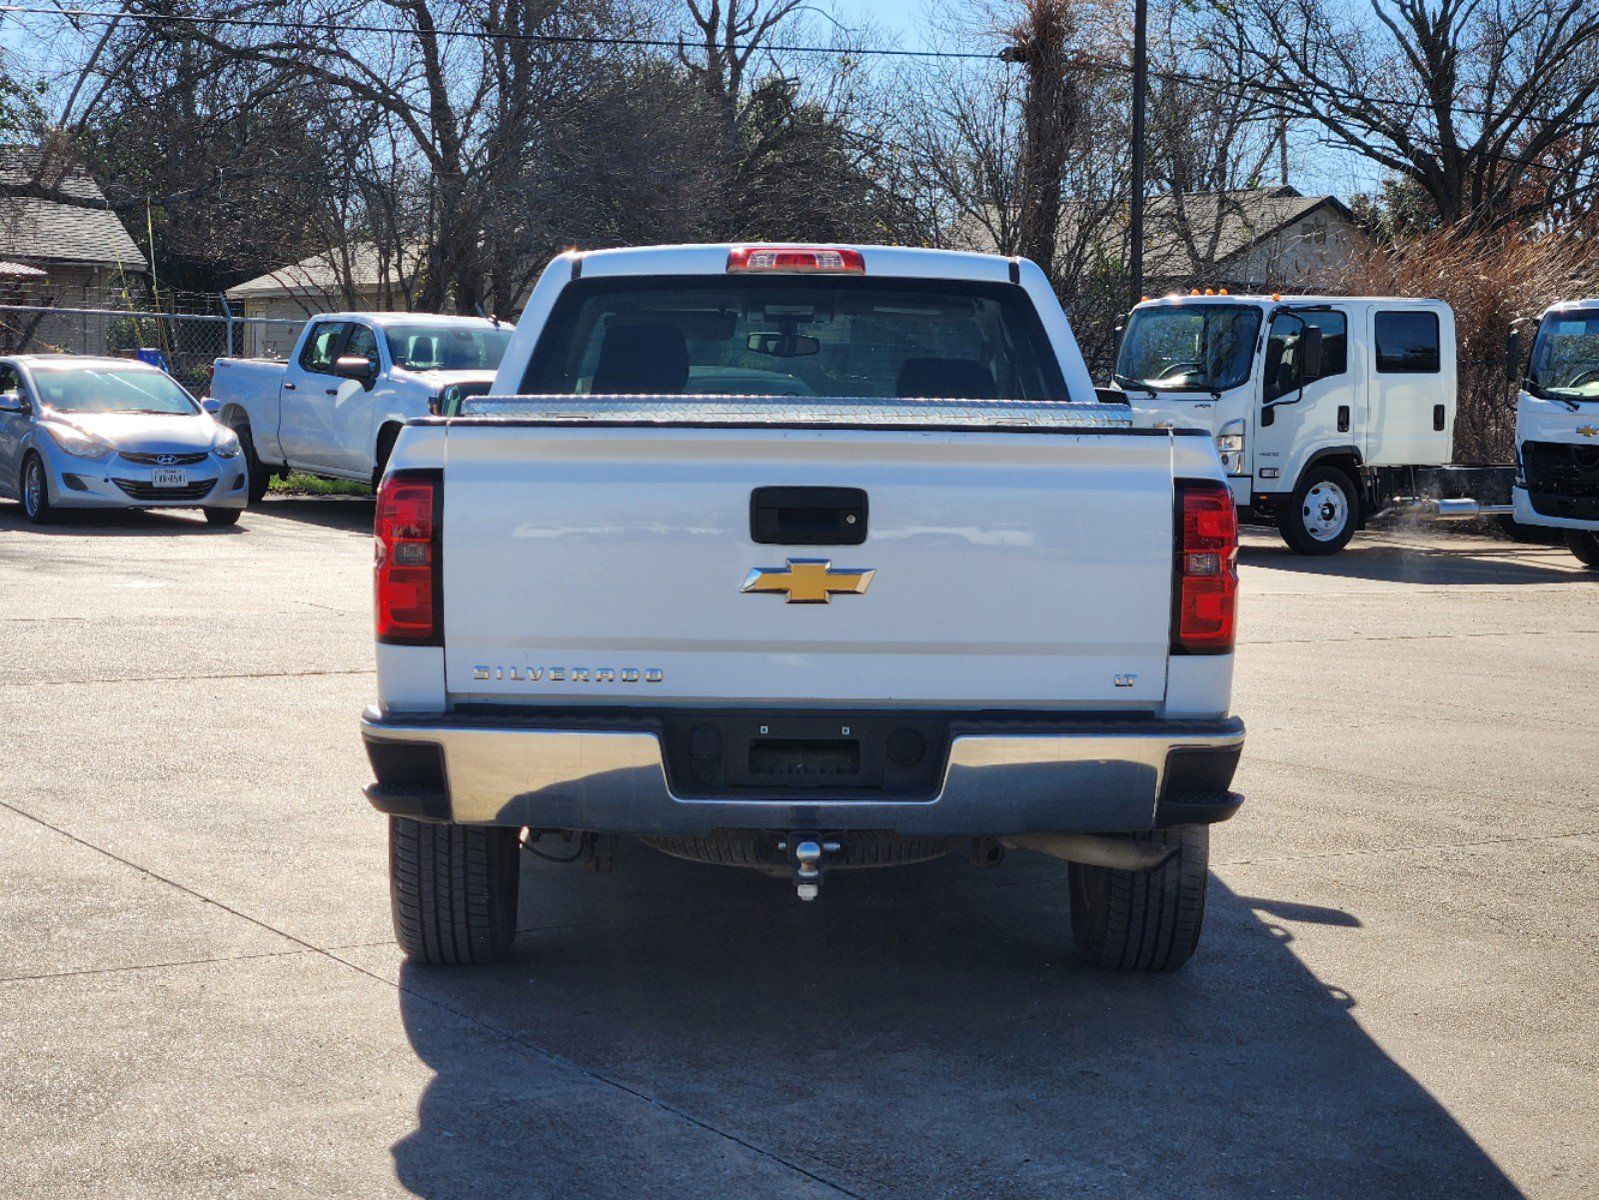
[[170, 477]]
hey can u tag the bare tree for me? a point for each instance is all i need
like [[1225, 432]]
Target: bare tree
[[467, 111], [1041, 42], [1209, 139], [1472, 99]]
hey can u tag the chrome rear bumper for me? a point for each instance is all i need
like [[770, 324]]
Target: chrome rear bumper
[[1058, 774]]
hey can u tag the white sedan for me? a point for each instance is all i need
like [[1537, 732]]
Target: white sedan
[[112, 433]]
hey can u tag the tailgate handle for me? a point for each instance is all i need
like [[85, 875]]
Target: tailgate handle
[[808, 516]]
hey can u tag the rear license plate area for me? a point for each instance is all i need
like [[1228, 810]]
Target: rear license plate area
[[792, 758], [777, 756]]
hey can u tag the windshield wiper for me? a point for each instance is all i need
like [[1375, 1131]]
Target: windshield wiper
[[1123, 382]]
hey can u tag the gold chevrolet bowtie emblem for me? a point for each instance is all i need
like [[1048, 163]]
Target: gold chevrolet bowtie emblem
[[808, 580], [1588, 430]]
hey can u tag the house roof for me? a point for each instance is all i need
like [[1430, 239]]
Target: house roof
[[323, 274], [69, 230], [16, 270], [1221, 225]]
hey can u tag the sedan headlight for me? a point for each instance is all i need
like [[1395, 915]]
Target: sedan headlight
[[77, 443], [227, 445]]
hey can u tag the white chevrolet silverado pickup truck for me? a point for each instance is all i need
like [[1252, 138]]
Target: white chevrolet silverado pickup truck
[[802, 559], [334, 408]]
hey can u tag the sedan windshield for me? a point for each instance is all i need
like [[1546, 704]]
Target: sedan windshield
[[1189, 347], [447, 347], [111, 390], [1565, 358], [793, 335]]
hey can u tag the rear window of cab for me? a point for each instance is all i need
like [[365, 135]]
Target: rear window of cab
[[802, 336]]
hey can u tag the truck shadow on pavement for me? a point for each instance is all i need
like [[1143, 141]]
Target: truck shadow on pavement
[[679, 1030]]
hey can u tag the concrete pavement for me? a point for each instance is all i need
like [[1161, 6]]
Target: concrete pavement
[[199, 995]]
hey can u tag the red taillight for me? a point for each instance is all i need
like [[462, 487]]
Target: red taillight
[[406, 573], [823, 259], [1206, 620]]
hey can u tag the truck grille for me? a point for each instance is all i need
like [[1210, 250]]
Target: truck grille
[[139, 490], [1562, 479], [165, 459]]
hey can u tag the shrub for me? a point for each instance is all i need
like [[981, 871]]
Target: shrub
[[1490, 279]]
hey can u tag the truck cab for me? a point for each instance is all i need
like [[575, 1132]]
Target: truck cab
[[1321, 406], [1557, 428]]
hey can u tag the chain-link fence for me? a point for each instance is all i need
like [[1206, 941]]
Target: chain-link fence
[[176, 336]]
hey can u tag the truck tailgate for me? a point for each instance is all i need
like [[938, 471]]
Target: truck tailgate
[[601, 564]]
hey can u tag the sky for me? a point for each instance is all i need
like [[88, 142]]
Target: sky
[[903, 22], [895, 16]]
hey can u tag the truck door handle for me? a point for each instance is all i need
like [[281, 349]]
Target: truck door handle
[[1438, 417], [333, 391], [1343, 418], [808, 516], [288, 387]]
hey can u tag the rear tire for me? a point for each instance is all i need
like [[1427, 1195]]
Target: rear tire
[[1143, 920], [222, 516], [453, 891], [33, 489], [1584, 545], [1322, 514]]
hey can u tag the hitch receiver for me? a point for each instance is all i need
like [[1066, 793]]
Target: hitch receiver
[[807, 851]]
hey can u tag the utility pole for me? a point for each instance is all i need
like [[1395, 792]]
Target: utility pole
[[1135, 224]]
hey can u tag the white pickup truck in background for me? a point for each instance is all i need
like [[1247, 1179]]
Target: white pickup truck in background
[[334, 408], [823, 625], [1557, 428]]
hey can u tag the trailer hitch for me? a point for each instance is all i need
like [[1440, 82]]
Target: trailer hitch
[[806, 851]]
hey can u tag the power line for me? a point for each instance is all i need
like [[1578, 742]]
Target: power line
[[1113, 66], [481, 35]]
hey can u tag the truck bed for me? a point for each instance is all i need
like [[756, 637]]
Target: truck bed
[[1020, 553]]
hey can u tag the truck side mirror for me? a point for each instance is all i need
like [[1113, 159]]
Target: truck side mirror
[[1309, 354], [353, 366], [1118, 332], [1513, 357]]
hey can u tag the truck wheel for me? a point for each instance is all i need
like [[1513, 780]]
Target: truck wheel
[[33, 488], [1143, 920], [1584, 545], [256, 476], [1322, 514], [453, 890], [385, 447]]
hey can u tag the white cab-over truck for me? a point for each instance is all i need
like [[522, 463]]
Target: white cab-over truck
[[912, 591], [1557, 428], [1326, 409], [334, 408]]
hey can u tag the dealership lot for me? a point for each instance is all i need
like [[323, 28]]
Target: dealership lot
[[1395, 994]]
